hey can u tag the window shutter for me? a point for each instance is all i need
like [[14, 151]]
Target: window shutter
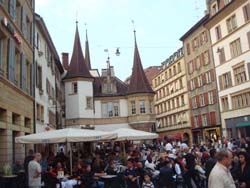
[[204, 79], [208, 119], [23, 72], [11, 60], [190, 103], [215, 96], [212, 75], [198, 101], [213, 118], [206, 98], [196, 82], [1, 54], [208, 57], [192, 121], [189, 85], [246, 11], [248, 67], [32, 79], [220, 82], [199, 121], [24, 26], [229, 78], [248, 37]]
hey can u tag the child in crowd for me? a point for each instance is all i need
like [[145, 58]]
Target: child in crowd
[[147, 183]]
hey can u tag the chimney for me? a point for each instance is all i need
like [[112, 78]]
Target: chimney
[[65, 60]]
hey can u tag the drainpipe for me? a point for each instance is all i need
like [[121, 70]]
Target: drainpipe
[[34, 70]]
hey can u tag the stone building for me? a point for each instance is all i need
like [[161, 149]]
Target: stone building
[[16, 77], [229, 27], [104, 102], [171, 99], [49, 86], [202, 88]]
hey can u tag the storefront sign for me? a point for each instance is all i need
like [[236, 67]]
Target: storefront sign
[[11, 30]]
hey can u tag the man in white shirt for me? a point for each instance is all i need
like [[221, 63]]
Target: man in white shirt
[[34, 169], [220, 176]]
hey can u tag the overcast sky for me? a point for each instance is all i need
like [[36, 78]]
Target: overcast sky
[[159, 24]]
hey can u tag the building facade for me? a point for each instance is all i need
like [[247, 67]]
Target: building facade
[[49, 90], [16, 73], [230, 36], [171, 99], [202, 88], [104, 102]]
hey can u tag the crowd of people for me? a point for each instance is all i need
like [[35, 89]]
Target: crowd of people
[[162, 164]]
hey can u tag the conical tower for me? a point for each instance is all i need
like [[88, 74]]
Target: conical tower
[[87, 55], [140, 96], [78, 88]]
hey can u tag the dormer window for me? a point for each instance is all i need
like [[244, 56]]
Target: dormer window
[[214, 9]]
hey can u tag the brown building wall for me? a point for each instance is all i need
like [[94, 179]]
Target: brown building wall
[[16, 103]]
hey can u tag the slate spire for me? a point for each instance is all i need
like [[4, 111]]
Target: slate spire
[[77, 67], [138, 81]]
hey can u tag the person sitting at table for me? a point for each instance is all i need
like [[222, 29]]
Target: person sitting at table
[[131, 176], [90, 179], [17, 167], [60, 170], [98, 164]]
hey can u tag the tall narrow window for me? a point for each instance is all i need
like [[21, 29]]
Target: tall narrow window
[[150, 106], [222, 56], [12, 9], [218, 32], [204, 120], [24, 22], [74, 87], [142, 107], [110, 109], [231, 24], [116, 108], [188, 49], [235, 48], [202, 100], [104, 110], [239, 73], [89, 102], [246, 12], [1, 56], [248, 38], [210, 97], [23, 72], [133, 108], [200, 81], [11, 60]]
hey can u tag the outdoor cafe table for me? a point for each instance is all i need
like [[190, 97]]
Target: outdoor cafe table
[[8, 181], [109, 180]]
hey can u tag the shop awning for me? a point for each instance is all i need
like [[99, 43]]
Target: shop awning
[[243, 124]]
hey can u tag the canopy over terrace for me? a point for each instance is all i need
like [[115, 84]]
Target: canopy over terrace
[[133, 134], [66, 135]]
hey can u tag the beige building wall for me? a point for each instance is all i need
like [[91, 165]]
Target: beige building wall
[[171, 98], [16, 100]]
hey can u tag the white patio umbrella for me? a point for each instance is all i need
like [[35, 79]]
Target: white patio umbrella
[[132, 134], [66, 136]]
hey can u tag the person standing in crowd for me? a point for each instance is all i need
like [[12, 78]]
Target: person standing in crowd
[[34, 169], [166, 175], [147, 183], [27, 159], [220, 176], [210, 162], [243, 175], [131, 175]]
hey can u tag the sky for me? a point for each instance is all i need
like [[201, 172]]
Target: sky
[[159, 24]]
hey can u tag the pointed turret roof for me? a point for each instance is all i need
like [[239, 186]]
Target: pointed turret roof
[[138, 82], [77, 67], [87, 55]]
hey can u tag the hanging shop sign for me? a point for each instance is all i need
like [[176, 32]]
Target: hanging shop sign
[[11, 30]]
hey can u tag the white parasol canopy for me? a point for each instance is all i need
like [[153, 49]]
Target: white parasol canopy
[[132, 134], [66, 135]]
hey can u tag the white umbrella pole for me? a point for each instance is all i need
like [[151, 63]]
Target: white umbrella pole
[[70, 150]]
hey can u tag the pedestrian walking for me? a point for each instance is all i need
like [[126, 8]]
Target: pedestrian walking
[[220, 176], [34, 169]]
